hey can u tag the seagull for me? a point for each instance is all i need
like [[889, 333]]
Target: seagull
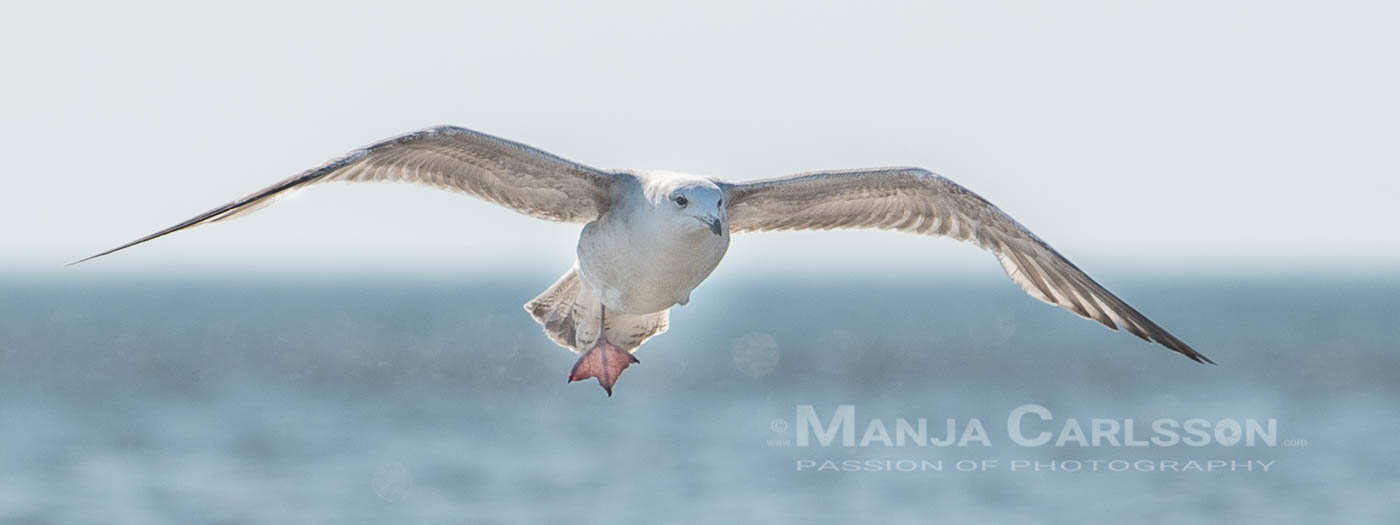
[[650, 237]]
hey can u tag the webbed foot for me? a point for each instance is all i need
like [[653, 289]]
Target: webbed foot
[[604, 361]]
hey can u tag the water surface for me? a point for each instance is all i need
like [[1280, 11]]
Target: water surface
[[276, 402]]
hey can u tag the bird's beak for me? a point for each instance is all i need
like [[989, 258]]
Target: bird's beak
[[715, 225]]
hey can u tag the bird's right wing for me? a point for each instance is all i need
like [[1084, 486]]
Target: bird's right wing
[[917, 201], [507, 173]]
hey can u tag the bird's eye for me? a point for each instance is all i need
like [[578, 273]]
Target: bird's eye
[[720, 204], [681, 200]]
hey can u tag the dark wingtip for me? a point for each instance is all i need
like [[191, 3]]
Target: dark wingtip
[[172, 229], [122, 247], [86, 259], [1189, 352]]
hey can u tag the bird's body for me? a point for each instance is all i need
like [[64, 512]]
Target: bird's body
[[644, 257], [651, 237]]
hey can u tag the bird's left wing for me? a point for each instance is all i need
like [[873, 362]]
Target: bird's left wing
[[507, 173], [917, 201]]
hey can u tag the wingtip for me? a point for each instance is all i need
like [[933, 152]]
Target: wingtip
[[1193, 355], [90, 257], [84, 259]]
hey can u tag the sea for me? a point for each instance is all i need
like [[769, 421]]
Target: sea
[[285, 400]]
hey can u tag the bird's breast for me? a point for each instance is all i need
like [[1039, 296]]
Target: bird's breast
[[637, 271]]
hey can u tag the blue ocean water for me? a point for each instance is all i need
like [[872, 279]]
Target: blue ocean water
[[398, 402]]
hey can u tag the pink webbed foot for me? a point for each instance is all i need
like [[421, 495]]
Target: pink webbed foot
[[604, 361]]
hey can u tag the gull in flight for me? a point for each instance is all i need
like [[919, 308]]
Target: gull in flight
[[650, 237]]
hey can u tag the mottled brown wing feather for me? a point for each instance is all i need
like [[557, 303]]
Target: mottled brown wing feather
[[507, 173], [917, 201]]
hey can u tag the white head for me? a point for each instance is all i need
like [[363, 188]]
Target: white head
[[688, 202]]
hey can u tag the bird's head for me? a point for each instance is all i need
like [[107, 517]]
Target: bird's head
[[694, 203]]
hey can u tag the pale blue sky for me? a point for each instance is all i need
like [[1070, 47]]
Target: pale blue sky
[[1167, 137]]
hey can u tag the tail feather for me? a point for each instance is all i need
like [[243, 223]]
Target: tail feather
[[565, 308], [554, 309]]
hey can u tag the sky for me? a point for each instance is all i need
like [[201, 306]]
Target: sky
[[1159, 138]]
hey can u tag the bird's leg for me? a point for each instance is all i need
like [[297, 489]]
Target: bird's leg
[[603, 360]]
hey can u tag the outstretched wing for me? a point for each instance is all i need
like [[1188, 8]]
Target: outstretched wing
[[917, 201], [508, 173]]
